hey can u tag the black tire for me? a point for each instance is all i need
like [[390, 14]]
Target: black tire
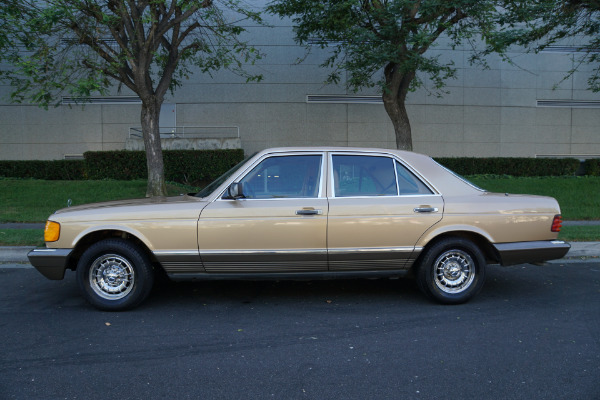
[[451, 271], [115, 275]]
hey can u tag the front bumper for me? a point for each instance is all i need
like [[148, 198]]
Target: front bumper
[[531, 252], [51, 263]]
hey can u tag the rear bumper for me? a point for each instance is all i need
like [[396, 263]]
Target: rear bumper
[[531, 252], [51, 263]]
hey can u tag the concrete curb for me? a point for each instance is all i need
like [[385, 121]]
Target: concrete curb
[[584, 249], [22, 225], [18, 254], [14, 254]]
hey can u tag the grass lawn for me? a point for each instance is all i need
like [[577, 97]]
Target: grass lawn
[[34, 200], [580, 233], [579, 197], [21, 237]]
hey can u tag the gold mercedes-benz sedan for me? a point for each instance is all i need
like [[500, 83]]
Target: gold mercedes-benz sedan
[[308, 213]]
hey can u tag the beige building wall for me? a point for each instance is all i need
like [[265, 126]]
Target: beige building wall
[[493, 112]]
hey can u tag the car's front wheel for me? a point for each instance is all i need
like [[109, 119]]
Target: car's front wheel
[[451, 271], [114, 275]]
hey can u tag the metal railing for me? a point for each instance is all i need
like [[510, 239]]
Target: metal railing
[[191, 132]]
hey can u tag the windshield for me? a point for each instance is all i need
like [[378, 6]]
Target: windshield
[[219, 181]]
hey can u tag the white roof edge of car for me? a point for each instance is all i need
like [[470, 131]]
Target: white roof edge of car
[[341, 149]]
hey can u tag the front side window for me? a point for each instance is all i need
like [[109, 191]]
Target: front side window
[[364, 176], [284, 177]]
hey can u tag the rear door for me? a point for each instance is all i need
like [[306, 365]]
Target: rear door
[[378, 209]]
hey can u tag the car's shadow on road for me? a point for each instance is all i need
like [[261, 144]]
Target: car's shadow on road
[[281, 292], [515, 283], [519, 284]]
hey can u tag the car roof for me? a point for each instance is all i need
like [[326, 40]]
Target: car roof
[[407, 155]]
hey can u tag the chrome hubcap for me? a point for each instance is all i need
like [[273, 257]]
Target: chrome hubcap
[[454, 271], [111, 277]]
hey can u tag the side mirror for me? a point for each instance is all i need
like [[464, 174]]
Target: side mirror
[[236, 191]]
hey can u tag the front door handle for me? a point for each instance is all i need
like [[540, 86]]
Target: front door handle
[[425, 209], [309, 212]]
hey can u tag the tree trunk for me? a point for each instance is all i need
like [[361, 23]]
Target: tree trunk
[[154, 158], [396, 110], [394, 97]]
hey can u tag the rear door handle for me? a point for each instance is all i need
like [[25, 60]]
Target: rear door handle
[[425, 210], [309, 212]]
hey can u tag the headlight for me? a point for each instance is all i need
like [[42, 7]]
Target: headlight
[[51, 231]]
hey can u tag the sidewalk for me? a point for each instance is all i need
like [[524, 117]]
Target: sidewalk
[[579, 250], [22, 225], [14, 254]]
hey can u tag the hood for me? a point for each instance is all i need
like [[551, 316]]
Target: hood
[[180, 207], [129, 203]]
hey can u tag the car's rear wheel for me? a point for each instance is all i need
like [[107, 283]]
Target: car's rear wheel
[[451, 271], [114, 275]]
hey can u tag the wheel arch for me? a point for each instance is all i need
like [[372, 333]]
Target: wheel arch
[[89, 238], [483, 243]]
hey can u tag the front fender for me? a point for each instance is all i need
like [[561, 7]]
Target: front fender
[[120, 228]]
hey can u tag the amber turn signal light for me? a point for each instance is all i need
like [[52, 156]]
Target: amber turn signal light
[[51, 231], [556, 223]]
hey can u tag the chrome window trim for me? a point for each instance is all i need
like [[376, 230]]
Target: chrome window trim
[[247, 170], [394, 157], [364, 154], [420, 177], [410, 170], [387, 197], [279, 198]]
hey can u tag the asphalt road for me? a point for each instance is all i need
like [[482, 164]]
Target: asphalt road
[[532, 333]]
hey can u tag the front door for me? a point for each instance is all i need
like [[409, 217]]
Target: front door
[[280, 225]]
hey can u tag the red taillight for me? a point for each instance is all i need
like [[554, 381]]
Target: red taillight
[[556, 223]]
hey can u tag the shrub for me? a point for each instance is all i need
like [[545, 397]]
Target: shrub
[[511, 166], [592, 167], [197, 167], [48, 170], [191, 167], [118, 164]]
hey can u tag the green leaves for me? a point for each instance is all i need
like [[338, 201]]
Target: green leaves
[[365, 36], [538, 24], [82, 47]]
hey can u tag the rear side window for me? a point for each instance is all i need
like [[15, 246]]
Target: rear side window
[[363, 176], [408, 183]]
